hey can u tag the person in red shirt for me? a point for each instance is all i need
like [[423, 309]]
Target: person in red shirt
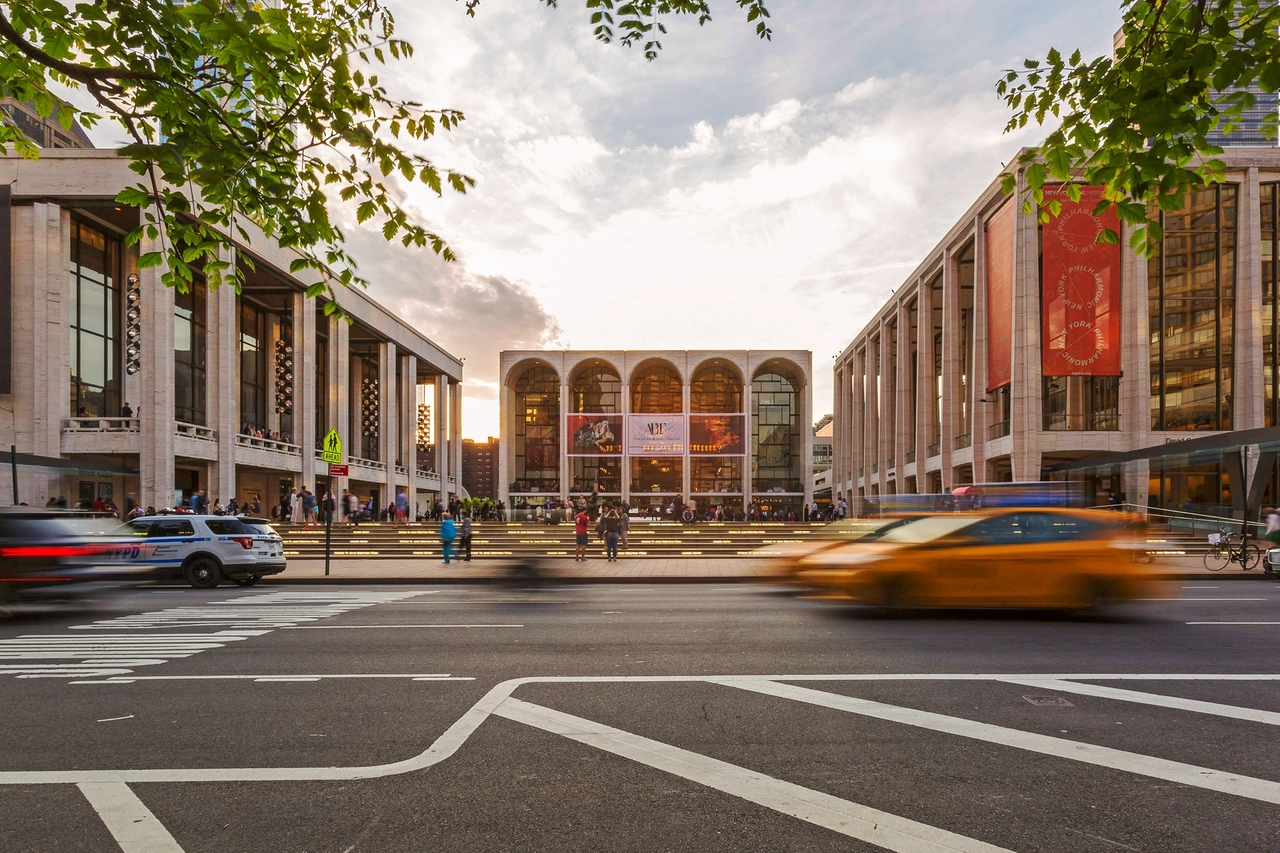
[[580, 524]]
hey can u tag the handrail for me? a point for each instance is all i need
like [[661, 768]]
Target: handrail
[[195, 431], [1178, 514], [103, 424]]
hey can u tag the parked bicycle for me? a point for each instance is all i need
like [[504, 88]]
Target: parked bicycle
[[1227, 548]]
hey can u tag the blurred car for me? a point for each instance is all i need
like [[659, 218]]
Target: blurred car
[[1012, 557], [786, 556], [204, 550], [42, 549]]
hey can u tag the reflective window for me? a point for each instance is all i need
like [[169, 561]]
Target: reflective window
[[368, 410], [715, 474], [596, 389], [190, 403], [1191, 290], [777, 434], [596, 474], [1269, 199], [321, 368], [173, 527], [95, 321], [656, 389], [657, 474], [253, 399], [716, 389], [1081, 402], [537, 434]]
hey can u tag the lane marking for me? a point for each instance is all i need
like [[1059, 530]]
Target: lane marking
[[1101, 756], [1253, 715], [131, 679], [864, 823], [1233, 623], [130, 823], [1202, 599], [113, 719], [370, 627]]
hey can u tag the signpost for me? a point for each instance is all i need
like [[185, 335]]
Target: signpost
[[331, 452]]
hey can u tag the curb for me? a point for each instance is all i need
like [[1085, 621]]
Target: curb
[[280, 580]]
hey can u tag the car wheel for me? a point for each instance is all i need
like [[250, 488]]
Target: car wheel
[[247, 581], [204, 573]]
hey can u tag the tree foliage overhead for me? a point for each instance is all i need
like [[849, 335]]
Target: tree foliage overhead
[[257, 111], [1139, 124]]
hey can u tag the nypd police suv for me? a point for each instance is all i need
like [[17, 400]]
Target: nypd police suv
[[204, 550]]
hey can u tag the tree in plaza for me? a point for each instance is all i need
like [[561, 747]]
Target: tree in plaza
[[258, 111], [1139, 123]]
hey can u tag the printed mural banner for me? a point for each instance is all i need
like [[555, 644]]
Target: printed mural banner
[[716, 435], [655, 435], [1080, 289], [594, 435], [999, 263]]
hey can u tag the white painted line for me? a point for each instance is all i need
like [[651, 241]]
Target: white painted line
[[1184, 586], [1235, 712], [371, 627], [1101, 756], [289, 678], [113, 719], [1202, 599], [300, 677], [130, 823], [847, 818]]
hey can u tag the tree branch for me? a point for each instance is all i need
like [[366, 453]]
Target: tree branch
[[81, 73]]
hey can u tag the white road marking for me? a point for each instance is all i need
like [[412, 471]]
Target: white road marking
[[1233, 623], [130, 679], [1115, 759], [370, 627], [847, 818], [1176, 702], [131, 824], [113, 719], [1202, 599]]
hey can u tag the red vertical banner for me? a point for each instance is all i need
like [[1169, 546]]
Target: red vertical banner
[[1080, 289], [999, 264]]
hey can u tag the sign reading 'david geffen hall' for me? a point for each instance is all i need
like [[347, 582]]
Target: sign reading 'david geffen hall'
[[655, 435], [1080, 288]]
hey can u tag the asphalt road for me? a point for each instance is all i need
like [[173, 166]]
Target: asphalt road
[[632, 718]]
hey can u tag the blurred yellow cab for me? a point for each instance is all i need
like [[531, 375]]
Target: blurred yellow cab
[[785, 557], [1017, 557]]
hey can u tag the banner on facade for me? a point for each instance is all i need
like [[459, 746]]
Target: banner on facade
[[1080, 289], [655, 435], [594, 435], [999, 265], [716, 435]]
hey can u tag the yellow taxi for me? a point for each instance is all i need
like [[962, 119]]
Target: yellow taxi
[[784, 557], [1016, 557]]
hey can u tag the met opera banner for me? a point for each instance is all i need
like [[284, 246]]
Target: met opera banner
[[715, 435], [594, 435], [1080, 289], [999, 263], [655, 435]]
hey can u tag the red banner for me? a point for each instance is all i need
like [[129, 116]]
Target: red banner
[[1080, 289], [594, 435], [999, 234]]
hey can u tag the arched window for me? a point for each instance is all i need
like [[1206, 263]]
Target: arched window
[[716, 388], [656, 390], [537, 433], [777, 437], [596, 389]]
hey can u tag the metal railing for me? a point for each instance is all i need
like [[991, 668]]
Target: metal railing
[[1097, 422], [271, 444], [999, 430], [875, 466], [1190, 522], [933, 449], [367, 463], [101, 424], [963, 440], [891, 462]]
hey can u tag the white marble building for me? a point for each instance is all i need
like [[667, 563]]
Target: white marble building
[[213, 368]]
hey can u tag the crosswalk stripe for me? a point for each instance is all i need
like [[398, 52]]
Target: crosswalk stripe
[[1102, 756], [1176, 702], [864, 823], [130, 823]]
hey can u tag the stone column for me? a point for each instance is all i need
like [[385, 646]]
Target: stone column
[[306, 432], [439, 429], [979, 412], [1026, 422], [409, 418], [685, 474], [806, 465], [1247, 394], [924, 381], [155, 406], [902, 393], [857, 426], [564, 466], [950, 365], [223, 384], [388, 417], [506, 449], [625, 463], [455, 427], [748, 460], [339, 394], [1135, 368]]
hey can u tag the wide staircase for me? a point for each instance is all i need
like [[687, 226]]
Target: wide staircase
[[529, 539]]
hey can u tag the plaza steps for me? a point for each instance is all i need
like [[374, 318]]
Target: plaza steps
[[513, 540]]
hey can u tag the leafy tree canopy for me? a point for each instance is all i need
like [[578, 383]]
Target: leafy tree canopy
[[242, 110], [1139, 123]]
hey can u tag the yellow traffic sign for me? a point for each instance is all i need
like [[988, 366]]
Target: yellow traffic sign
[[332, 448]]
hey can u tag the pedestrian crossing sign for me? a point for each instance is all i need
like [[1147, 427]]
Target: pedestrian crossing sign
[[331, 451]]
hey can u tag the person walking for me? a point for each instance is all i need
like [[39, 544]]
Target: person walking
[[580, 532], [624, 523], [448, 532], [295, 506], [464, 538], [329, 507], [308, 506], [612, 530], [402, 508]]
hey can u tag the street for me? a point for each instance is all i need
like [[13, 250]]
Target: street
[[628, 717]]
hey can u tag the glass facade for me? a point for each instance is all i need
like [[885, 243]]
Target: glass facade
[[322, 386], [366, 407], [253, 368], [1269, 198], [656, 390], [597, 390], [95, 322], [777, 439], [662, 474], [1191, 291], [537, 431], [935, 380], [596, 474], [715, 474], [716, 389], [1080, 402], [189, 355]]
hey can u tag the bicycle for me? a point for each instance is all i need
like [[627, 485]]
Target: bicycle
[[1226, 548]]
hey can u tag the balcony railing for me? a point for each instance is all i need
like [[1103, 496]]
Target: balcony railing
[[367, 463], [875, 466], [202, 433], [535, 487], [101, 424], [1096, 422], [892, 462], [402, 469], [272, 444], [909, 456], [933, 449], [427, 467], [964, 440], [999, 430]]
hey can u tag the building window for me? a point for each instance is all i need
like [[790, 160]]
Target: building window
[[716, 389], [661, 474], [321, 368], [1191, 290], [370, 403], [253, 398], [935, 379], [95, 322], [189, 338], [715, 474], [537, 438], [1270, 198], [1081, 403], [596, 390], [777, 437], [597, 474], [656, 390]]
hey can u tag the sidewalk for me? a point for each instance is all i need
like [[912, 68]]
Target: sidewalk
[[598, 570]]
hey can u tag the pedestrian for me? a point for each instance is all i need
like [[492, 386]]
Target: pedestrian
[[308, 506], [295, 507], [612, 531], [448, 532], [580, 524], [402, 508], [1273, 526], [464, 538], [126, 411], [329, 507], [624, 519]]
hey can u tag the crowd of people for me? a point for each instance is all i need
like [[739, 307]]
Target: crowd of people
[[255, 431]]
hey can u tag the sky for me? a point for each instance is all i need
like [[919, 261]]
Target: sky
[[734, 193]]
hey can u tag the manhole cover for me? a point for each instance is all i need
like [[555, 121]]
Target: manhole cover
[[1048, 700]]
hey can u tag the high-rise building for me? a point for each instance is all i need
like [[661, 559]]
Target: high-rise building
[[480, 467], [45, 132]]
